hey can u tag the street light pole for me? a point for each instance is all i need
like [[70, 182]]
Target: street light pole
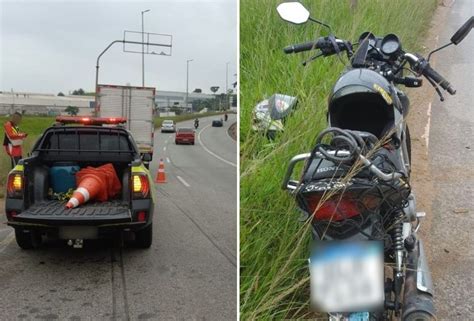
[[143, 49], [187, 82], [103, 52], [226, 87]]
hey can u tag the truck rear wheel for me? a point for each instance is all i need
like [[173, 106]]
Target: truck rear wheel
[[144, 238], [27, 240]]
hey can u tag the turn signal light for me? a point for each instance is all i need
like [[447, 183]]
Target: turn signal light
[[15, 185], [140, 186]]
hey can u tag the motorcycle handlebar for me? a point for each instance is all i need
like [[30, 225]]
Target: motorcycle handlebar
[[299, 47], [323, 43], [437, 78], [421, 66]]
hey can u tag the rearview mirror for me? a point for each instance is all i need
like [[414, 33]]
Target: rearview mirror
[[463, 31], [293, 12]]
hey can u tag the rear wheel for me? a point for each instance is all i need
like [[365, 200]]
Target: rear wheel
[[27, 240], [419, 316], [144, 237]]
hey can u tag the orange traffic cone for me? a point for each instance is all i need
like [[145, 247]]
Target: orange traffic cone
[[89, 188], [161, 176]]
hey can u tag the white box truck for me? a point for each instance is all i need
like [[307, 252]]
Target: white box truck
[[136, 104]]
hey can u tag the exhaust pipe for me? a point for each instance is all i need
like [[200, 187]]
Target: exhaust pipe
[[418, 294]]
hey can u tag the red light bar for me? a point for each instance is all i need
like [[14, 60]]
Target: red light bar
[[91, 120]]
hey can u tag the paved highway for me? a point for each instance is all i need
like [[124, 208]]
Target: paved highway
[[188, 274], [451, 160]]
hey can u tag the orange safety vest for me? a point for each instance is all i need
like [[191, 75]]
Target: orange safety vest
[[13, 139]]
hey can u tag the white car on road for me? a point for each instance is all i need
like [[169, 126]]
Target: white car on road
[[168, 126]]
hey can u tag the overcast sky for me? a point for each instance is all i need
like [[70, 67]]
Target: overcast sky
[[52, 46]]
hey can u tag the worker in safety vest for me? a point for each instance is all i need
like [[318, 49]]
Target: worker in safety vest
[[13, 138]]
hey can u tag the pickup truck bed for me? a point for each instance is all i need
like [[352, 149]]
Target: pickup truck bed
[[34, 215], [54, 211]]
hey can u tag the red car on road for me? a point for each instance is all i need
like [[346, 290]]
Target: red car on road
[[184, 136]]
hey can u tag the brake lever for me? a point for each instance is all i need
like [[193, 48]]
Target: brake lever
[[440, 94], [304, 63]]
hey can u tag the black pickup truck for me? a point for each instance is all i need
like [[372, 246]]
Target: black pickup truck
[[34, 214]]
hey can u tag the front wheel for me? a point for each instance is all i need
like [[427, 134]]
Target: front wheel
[[144, 237]]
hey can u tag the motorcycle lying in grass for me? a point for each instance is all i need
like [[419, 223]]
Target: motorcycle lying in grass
[[367, 261]]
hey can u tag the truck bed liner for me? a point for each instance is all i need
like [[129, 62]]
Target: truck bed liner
[[55, 211]]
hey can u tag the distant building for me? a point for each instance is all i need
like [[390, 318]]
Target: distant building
[[165, 100], [50, 104], [43, 104]]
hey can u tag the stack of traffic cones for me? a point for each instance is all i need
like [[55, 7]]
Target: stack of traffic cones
[[99, 183], [161, 176], [88, 188]]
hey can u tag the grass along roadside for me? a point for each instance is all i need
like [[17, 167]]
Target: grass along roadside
[[33, 126], [273, 243], [233, 131]]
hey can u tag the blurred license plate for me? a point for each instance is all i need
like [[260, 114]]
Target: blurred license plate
[[78, 232], [347, 276]]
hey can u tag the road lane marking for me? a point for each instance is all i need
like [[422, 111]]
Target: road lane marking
[[183, 181], [167, 160], [164, 148], [426, 134], [210, 152]]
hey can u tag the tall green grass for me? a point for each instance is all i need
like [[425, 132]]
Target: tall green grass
[[273, 243]]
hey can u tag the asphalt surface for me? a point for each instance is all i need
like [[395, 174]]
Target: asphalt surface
[[451, 160], [189, 273]]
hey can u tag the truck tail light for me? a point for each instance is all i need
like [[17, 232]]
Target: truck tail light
[[140, 186], [141, 216], [11, 214], [15, 185]]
